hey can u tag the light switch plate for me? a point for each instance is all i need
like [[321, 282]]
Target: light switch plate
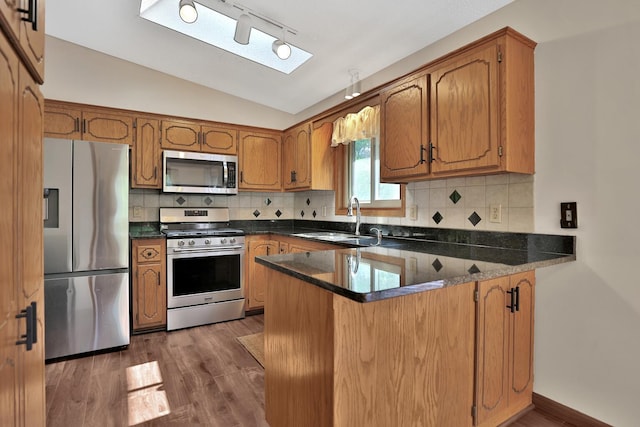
[[569, 215], [413, 212]]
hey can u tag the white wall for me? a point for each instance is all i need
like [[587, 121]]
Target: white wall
[[587, 139]]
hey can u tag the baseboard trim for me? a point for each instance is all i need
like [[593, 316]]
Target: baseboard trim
[[571, 416]]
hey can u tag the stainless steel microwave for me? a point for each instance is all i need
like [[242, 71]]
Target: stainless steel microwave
[[185, 172]]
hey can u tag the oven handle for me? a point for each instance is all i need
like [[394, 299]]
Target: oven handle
[[223, 249]]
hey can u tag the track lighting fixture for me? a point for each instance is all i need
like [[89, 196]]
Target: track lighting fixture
[[243, 29], [188, 12], [354, 89], [281, 49]]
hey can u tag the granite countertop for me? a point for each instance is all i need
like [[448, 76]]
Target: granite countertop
[[402, 266], [145, 230]]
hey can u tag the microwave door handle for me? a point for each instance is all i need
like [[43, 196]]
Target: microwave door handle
[[225, 174]]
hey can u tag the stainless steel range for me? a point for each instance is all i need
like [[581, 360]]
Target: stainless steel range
[[205, 261]]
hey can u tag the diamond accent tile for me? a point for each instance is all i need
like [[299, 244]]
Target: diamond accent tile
[[314, 214], [208, 200], [455, 197], [473, 269], [437, 217], [308, 202], [267, 202], [437, 265], [180, 200], [302, 214], [256, 213], [278, 213], [474, 218]]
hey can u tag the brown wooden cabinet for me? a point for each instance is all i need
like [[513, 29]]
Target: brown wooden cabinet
[[185, 135], [260, 157], [26, 37], [307, 159], [146, 155], [504, 347], [149, 286], [255, 284], [480, 110], [404, 129], [72, 121], [22, 398]]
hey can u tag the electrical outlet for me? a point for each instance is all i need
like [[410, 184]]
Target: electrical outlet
[[324, 211], [137, 212], [495, 213], [413, 212]]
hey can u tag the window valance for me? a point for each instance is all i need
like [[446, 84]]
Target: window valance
[[352, 127]]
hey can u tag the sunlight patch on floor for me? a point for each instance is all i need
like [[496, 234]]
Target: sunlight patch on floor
[[146, 397]]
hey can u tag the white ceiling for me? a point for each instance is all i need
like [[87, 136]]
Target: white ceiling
[[367, 35]]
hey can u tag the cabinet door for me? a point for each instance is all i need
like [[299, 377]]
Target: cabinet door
[[465, 113], [32, 40], [146, 162], [29, 255], [492, 348], [260, 157], [521, 337], [256, 284], [103, 127], [296, 150], [180, 135], [62, 123], [9, 325], [404, 130], [219, 140]]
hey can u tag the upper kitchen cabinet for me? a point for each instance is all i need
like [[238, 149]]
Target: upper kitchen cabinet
[[72, 121], [184, 135], [404, 129], [480, 111], [296, 152], [307, 157], [146, 155], [25, 31], [260, 160]]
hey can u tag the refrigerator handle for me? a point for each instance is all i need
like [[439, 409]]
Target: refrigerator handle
[[45, 205]]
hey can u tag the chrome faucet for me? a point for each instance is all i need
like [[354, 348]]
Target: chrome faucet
[[355, 200], [378, 234]]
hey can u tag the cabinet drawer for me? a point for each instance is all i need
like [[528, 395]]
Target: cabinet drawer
[[149, 253]]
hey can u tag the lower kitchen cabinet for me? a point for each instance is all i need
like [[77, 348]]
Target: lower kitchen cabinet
[[254, 284], [504, 347], [149, 294]]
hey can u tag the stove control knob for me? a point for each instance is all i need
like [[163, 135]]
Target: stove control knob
[[223, 241], [232, 240], [207, 241], [181, 243], [192, 242]]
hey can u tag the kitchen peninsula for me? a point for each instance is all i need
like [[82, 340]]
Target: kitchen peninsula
[[407, 333]]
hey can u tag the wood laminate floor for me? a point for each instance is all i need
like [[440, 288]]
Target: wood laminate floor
[[198, 376]]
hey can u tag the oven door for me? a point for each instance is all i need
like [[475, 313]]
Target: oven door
[[202, 276]]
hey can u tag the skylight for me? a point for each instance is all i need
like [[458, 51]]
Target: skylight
[[217, 29]]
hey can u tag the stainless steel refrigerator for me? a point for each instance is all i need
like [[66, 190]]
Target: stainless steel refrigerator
[[86, 246]]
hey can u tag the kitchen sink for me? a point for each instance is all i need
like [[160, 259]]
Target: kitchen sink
[[332, 236]]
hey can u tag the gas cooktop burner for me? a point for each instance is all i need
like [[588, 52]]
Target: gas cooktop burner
[[196, 222]]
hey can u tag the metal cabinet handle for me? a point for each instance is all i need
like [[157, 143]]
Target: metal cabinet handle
[[31, 336], [32, 14], [431, 157], [422, 150], [515, 299]]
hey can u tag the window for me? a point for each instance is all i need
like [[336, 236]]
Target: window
[[363, 172], [357, 167]]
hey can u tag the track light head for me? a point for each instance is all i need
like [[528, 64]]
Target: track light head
[[243, 29], [187, 11], [281, 49]]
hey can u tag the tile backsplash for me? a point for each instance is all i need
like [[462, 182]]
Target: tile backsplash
[[462, 203]]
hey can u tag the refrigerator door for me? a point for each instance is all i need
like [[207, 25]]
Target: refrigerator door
[[100, 206], [86, 313], [57, 205]]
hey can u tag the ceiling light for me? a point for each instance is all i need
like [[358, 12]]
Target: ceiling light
[[355, 88], [281, 49], [188, 12], [243, 29]]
